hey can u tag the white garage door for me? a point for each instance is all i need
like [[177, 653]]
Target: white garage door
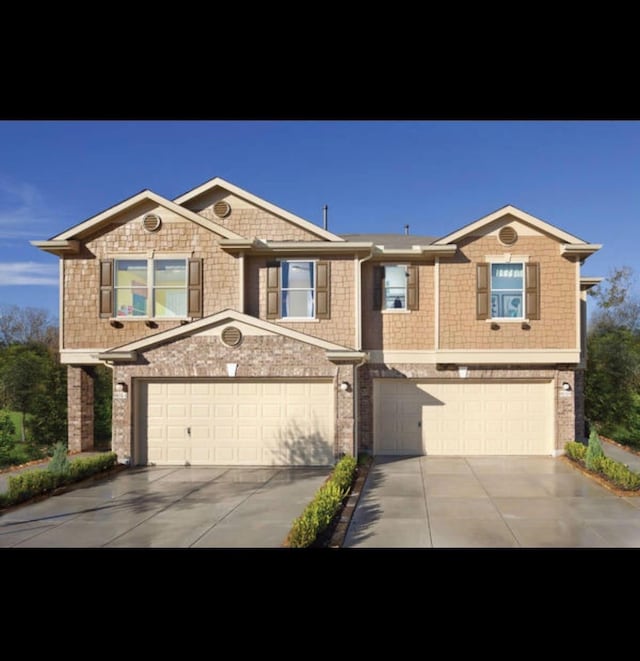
[[235, 422], [463, 418]]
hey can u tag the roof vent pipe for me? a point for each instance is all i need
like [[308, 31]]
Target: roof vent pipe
[[406, 230], [325, 208]]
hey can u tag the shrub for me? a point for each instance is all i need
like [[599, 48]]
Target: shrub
[[7, 431], [319, 513], [576, 451], [594, 451], [29, 484], [621, 475], [59, 463]]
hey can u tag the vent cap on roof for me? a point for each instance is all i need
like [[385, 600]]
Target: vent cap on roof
[[222, 209], [508, 236], [152, 222]]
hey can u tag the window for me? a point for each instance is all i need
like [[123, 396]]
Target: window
[[298, 289], [508, 290], [151, 288], [395, 287]]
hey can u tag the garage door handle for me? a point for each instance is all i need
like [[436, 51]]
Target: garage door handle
[[189, 431]]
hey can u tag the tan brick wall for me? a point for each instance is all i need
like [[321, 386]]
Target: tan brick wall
[[399, 330], [556, 328], [80, 397], [340, 328], [565, 416], [257, 357], [83, 327]]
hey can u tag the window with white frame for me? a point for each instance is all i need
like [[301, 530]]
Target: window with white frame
[[395, 287], [297, 289], [150, 287], [507, 290]]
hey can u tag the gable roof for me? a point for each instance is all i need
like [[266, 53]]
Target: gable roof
[[128, 352], [218, 182], [142, 196], [525, 217]]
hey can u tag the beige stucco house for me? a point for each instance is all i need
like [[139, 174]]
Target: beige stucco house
[[240, 333]]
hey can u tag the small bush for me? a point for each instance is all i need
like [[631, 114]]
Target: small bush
[[621, 475], [575, 451], [59, 463], [319, 513], [594, 451]]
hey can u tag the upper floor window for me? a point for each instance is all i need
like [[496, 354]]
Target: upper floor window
[[508, 290], [298, 289], [151, 288], [395, 287]]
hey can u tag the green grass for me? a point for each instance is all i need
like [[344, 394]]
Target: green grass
[[16, 418]]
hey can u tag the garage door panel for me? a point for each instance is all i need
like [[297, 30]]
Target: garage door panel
[[239, 422], [463, 418]]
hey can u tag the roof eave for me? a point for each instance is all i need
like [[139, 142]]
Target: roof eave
[[581, 250], [587, 282], [58, 247]]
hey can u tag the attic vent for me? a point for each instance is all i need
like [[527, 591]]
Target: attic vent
[[151, 222], [231, 336], [508, 236], [222, 209]]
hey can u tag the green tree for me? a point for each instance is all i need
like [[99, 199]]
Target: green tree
[[47, 423], [594, 452], [7, 430], [612, 384]]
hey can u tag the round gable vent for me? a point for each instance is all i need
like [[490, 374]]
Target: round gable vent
[[222, 209], [231, 336], [508, 236], [151, 222]]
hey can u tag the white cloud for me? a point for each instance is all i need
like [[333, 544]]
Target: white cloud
[[28, 273], [21, 207]]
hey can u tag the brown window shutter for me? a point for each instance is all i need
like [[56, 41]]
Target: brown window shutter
[[273, 290], [194, 299], [378, 284], [323, 290], [412, 287], [482, 291], [532, 301], [106, 288]]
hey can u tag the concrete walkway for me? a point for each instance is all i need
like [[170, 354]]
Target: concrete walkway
[[623, 456]]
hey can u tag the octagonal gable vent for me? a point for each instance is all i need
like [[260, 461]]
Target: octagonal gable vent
[[222, 209], [152, 222], [231, 336], [508, 236]]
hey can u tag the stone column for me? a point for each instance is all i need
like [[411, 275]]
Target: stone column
[[80, 408]]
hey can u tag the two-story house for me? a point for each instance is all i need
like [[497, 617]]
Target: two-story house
[[240, 333]]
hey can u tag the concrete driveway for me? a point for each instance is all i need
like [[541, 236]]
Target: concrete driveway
[[173, 507], [479, 502]]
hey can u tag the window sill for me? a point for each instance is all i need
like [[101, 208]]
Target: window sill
[[308, 320], [395, 311], [147, 319], [507, 320]]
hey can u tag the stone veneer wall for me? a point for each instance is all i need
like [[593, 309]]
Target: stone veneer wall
[[257, 357], [80, 407], [566, 419], [556, 328], [339, 328], [82, 325]]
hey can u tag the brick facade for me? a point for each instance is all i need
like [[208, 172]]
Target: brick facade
[[268, 356], [80, 408]]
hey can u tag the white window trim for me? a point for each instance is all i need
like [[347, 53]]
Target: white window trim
[[508, 258], [315, 290], [150, 256]]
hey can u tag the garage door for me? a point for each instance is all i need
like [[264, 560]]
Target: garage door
[[235, 422], [463, 418]]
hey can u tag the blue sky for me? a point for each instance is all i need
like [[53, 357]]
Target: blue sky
[[375, 176]]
